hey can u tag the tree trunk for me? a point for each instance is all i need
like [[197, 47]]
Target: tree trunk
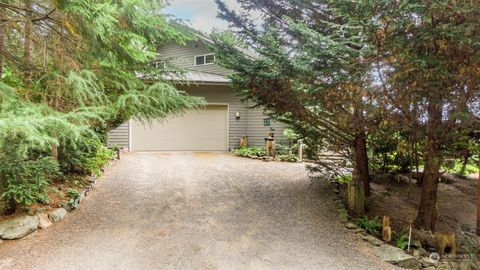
[[27, 49], [466, 156], [54, 150], [427, 211], [361, 161], [2, 42], [356, 194], [478, 200]]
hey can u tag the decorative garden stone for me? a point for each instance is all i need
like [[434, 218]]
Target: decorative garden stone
[[395, 256], [372, 240], [18, 227], [44, 222], [57, 214]]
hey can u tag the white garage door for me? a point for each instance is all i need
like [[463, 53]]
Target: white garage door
[[201, 130]]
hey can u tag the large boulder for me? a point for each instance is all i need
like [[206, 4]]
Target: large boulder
[[396, 256], [18, 227], [57, 214]]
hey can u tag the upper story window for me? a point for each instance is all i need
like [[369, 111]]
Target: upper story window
[[205, 59]]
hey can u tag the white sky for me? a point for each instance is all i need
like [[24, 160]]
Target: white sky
[[202, 14]]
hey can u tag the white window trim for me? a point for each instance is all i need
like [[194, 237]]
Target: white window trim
[[204, 59]]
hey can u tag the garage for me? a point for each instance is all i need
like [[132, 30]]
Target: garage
[[199, 130]]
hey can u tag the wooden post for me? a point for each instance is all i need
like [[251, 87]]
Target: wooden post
[[478, 200], [410, 226], [300, 150]]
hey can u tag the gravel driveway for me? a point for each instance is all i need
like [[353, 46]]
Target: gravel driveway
[[197, 211]]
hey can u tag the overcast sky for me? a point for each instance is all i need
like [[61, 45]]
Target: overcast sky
[[202, 14]]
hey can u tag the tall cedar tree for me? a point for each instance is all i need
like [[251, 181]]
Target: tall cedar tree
[[70, 71], [80, 54], [428, 59], [416, 60], [311, 70]]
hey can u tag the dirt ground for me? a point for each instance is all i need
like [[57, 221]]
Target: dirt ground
[[456, 204], [197, 211]]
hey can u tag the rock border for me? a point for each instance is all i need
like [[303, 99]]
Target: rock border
[[267, 159], [20, 226], [386, 252]]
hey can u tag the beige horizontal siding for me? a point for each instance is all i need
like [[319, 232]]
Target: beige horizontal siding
[[182, 56], [257, 131], [119, 136]]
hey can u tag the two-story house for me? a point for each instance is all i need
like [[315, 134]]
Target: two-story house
[[217, 127]]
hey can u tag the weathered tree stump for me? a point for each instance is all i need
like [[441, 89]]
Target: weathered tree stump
[[446, 243], [386, 230]]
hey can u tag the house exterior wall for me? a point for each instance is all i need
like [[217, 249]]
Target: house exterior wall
[[250, 123], [120, 136], [182, 56]]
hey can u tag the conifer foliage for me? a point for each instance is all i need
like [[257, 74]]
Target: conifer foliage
[[70, 72], [347, 72]]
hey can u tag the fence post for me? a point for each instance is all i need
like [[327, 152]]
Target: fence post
[[300, 150]]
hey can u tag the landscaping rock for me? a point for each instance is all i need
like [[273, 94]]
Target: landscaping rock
[[18, 227], [358, 231], [343, 217], [44, 222], [444, 266], [430, 268], [395, 256], [427, 262], [466, 265], [422, 252], [416, 243], [351, 226], [416, 254], [339, 204], [373, 240], [402, 178], [57, 214]]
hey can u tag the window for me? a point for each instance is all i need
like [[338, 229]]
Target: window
[[206, 59], [266, 122]]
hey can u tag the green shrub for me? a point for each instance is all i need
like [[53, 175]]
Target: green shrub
[[372, 226], [457, 167], [85, 157], [250, 151], [344, 179], [401, 240], [98, 160], [73, 194], [25, 180], [288, 158]]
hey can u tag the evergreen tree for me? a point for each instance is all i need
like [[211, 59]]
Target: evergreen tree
[[333, 68], [78, 75]]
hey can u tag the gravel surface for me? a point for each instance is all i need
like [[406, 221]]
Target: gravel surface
[[197, 211]]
